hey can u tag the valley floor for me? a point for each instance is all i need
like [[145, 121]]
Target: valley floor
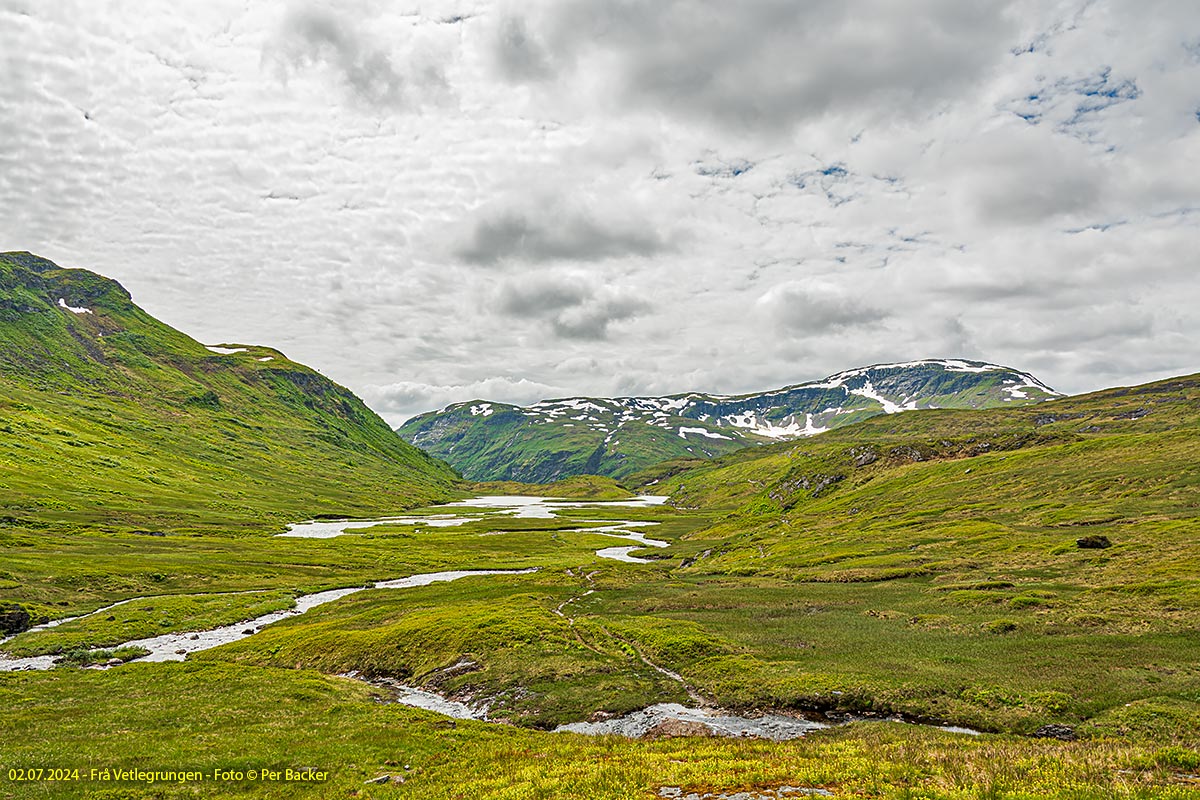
[[582, 637]]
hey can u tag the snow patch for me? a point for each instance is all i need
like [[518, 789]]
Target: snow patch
[[683, 432], [225, 351], [868, 391], [63, 304]]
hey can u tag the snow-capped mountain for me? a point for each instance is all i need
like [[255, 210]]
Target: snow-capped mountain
[[553, 439]]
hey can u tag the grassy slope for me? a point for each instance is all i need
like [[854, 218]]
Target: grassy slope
[[114, 418], [507, 445], [929, 562]]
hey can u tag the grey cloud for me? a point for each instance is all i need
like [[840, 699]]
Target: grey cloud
[[311, 35], [571, 305], [816, 308], [538, 298], [520, 58], [768, 64], [1024, 175], [554, 236], [591, 320]]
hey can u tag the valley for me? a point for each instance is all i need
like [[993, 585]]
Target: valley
[[1028, 572]]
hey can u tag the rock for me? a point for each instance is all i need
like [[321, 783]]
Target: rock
[[863, 455], [148, 533], [194, 636], [1093, 542], [379, 779], [247, 632], [1055, 731], [14, 618], [907, 453], [671, 728], [181, 652], [1047, 419], [113, 662]]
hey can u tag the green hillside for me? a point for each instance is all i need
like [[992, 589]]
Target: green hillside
[[109, 416], [554, 439]]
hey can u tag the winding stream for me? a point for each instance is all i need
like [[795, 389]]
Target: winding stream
[[667, 718], [176, 646]]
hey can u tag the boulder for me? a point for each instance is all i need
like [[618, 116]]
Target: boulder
[[671, 728], [14, 618], [1055, 731], [1093, 542]]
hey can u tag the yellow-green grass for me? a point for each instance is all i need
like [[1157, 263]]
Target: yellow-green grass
[[207, 717]]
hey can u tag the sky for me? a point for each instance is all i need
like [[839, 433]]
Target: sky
[[435, 202]]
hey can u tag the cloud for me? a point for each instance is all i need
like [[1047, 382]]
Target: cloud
[[519, 57], [552, 233], [571, 304], [312, 35], [1022, 175], [761, 64], [817, 307], [398, 401]]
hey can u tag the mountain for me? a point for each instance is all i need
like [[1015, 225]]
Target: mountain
[[109, 416], [554, 439]]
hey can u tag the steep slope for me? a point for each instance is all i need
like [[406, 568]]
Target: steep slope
[[108, 415], [618, 436]]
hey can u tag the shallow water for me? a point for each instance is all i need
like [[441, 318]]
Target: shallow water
[[515, 506], [176, 646]]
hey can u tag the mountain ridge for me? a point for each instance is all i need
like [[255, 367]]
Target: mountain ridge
[[97, 393], [558, 438]]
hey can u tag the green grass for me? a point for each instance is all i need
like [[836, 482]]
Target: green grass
[[206, 717]]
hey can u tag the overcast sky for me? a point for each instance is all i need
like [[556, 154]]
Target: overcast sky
[[435, 202]]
